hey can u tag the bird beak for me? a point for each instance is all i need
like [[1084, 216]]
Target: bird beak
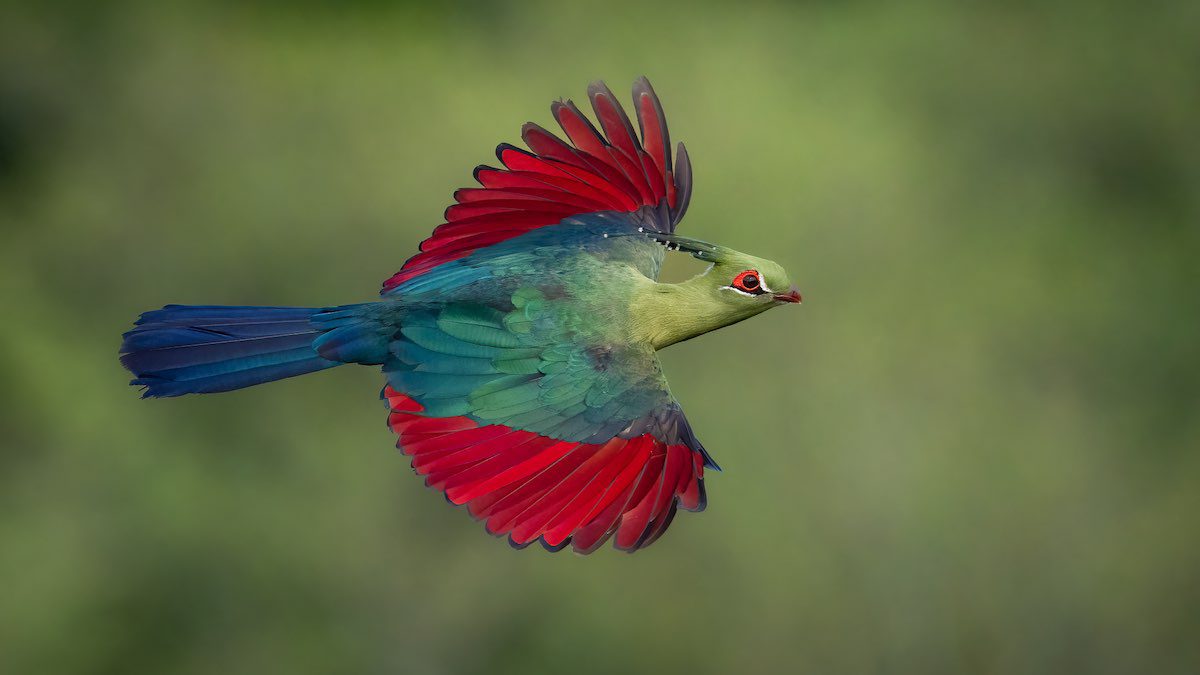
[[792, 296]]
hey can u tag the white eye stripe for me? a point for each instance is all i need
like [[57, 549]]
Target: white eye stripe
[[740, 291]]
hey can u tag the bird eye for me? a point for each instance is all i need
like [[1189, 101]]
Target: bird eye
[[748, 282]]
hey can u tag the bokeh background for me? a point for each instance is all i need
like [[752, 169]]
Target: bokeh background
[[974, 449]]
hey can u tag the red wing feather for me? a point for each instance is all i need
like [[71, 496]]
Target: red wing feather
[[609, 170], [653, 125], [534, 488]]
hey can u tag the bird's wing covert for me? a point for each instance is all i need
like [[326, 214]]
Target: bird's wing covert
[[605, 169], [544, 437]]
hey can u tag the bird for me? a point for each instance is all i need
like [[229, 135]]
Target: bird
[[519, 344]]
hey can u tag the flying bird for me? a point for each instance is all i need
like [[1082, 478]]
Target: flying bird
[[519, 344]]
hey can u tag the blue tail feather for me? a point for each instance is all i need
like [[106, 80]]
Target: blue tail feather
[[182, 349]]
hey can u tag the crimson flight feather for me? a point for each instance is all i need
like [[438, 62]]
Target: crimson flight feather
[[595, 171]]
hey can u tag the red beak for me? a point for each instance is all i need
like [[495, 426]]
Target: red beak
[[791, 296]]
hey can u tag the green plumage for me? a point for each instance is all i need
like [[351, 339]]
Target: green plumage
[[555, 332]]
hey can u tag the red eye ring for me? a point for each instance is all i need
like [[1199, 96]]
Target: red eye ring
[[749, 281]]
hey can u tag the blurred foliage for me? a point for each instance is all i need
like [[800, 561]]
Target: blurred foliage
[[972, 449]]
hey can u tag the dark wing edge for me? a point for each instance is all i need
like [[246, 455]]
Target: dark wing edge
[[605, 169], [559, 493]]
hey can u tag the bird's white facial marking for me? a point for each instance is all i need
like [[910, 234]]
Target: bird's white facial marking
[[738, 291]]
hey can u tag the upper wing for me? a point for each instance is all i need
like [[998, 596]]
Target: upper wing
[[546, 437], [603, 242], [595, 171]]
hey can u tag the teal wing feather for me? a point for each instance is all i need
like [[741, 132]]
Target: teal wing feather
[[528, 368], [490, 275]]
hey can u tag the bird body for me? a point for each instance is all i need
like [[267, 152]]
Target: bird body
[[519, 347]]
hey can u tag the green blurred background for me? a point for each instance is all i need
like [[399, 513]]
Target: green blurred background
[[972, 450]]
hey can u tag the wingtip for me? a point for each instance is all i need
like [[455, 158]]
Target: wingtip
[[501, 147], [517, 545], [482, 167], [554, 548], [597, 87], [642, 85]]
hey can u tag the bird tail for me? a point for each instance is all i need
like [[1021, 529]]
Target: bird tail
[[183, 349]]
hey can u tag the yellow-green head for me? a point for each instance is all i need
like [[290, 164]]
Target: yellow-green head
[[735, 287]]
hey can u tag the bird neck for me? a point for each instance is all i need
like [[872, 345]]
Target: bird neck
[[663, 314]]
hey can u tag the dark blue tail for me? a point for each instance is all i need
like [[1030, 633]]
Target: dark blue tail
[[205, 349]]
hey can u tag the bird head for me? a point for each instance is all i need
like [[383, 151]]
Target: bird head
[[737, 279], [735, 287]]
